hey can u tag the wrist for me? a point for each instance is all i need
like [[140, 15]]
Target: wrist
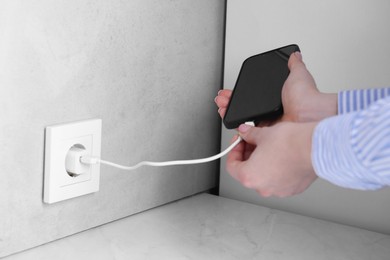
[[307, 132], [321, 106], [328, 104]]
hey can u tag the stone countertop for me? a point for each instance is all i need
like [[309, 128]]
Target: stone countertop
[[211, 227]]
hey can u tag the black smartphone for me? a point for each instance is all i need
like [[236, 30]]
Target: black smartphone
[[257, 93]]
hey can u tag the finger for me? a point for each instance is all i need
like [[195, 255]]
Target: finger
[[295, 60], [222, 112], [221, 101], [235, 158], [250, 134], [225, 93]]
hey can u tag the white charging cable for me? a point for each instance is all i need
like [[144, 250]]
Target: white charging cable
[[95, 160]]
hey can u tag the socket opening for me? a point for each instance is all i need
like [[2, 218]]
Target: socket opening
[[74, 169], [80, 146]]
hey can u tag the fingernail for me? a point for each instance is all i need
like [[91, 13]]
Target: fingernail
[[244, 128], [215, 99], [298, 54], [219, 91]]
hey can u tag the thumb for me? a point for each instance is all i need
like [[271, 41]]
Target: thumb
[[295, 60], [249, 133]]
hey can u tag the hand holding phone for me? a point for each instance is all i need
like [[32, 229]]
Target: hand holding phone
[[257, 92]]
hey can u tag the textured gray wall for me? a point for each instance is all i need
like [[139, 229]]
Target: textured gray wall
[[148, 68]]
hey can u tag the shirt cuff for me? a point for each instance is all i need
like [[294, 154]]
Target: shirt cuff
[[333, 157], [359, 99]]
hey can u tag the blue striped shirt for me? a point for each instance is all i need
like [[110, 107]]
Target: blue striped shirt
[[352, 149]]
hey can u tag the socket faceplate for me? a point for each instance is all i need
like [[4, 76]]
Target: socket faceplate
[[58, 184]]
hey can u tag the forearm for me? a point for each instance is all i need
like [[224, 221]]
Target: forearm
[[324, 105], [353, 149]]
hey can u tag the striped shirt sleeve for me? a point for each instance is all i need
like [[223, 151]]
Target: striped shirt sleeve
[[352, 149], [359, 99]]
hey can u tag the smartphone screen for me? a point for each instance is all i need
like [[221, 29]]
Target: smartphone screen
[[257, 93]]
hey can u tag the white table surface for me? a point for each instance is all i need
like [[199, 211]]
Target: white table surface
[[210, 227]]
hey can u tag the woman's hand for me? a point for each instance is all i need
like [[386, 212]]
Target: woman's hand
[[274, 160], [302, 102]]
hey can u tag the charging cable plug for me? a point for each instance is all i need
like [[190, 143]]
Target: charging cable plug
[[73, 164], [89, 160]]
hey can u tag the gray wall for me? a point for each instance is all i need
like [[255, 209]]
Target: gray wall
[[148, 68], [345, 46]]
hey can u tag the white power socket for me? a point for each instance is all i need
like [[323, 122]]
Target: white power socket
[[59, 139]]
